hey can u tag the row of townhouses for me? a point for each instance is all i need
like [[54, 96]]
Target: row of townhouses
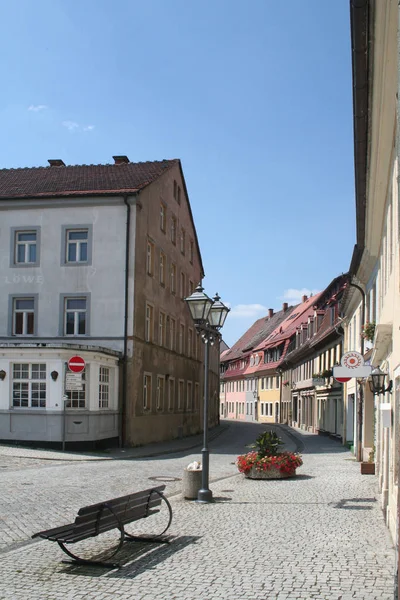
[[281, 369], [95, 262]]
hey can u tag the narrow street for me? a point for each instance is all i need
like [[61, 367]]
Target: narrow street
[[319, 535]]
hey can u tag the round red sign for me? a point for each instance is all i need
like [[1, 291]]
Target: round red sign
[[76, 364], [342, 379]]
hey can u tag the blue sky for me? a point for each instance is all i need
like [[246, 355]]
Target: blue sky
[[254, 97]]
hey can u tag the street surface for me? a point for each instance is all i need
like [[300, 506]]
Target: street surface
[[320, 535]]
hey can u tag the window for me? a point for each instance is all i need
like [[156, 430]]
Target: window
[[147, 391], [175, 189], [196, 396], [173, 230], [179, 195], [149, 325], [23, 315], [191, 251], [160, 393], [189, 395], [182, 338], [163, 218], [190, 342], [183, 285], [181, 391], [104, 387], [150, 258], [173, 278], [77, 398], [161, 329], [75, 316], [25, 244], [171, 393], [29, 385], [163, 263], [191, 287], [182, 240], [172, 335]]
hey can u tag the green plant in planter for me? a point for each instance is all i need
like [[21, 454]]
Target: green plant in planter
[[327, 373], [267, 444], [368, 331]]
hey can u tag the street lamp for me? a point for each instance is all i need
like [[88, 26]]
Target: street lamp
[[377, 382], [209, 316]]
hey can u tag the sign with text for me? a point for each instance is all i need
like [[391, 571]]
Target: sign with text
[[73, 382]]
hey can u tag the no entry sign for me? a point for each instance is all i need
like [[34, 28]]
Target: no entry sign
[[76, 364]]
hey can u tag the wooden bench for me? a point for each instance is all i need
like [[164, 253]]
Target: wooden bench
[[93, 520]]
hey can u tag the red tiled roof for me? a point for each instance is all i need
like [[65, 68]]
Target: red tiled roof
[[80, 180], [255, 334]]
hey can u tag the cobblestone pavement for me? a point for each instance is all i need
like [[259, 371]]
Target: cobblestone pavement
[[320, 535]]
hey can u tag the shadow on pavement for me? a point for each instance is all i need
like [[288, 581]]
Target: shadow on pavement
[[134, 559]]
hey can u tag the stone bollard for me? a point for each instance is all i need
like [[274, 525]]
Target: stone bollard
[[191, 481]]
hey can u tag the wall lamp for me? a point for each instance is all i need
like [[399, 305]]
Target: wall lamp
[[54, 375], [255, 394], [377, 382], [2, 375]]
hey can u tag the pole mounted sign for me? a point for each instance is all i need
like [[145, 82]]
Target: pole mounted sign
[[76, 364], [351, 365]]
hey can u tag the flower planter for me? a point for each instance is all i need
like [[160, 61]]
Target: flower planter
[[271, 473], [367, 468]]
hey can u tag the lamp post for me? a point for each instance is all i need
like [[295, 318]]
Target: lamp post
[[209, 316]]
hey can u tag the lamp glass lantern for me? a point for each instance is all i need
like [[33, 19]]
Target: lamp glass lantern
[[199, 305], [218, 313], [377, 382]]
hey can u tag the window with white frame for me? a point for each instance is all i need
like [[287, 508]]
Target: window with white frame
[[183, 286], [160, 392], [104, 387], [149, 324], [26, 247], [182, 240], [182, 338], [171, 393], [76, 245], [173, 230], [190, 342], [172, 333], [29, 385], [161, 329], [75, 316], [146, 391], [23, 316], [163, 217], [173, 278], [150, 258], [189, 395], [163, 264], [181, 393], [77, 398]]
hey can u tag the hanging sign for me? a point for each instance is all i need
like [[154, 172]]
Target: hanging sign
[[351, 365]]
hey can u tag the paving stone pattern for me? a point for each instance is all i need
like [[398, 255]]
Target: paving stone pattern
[[319, 536]]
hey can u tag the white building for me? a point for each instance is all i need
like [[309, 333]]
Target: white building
[[81, 270]]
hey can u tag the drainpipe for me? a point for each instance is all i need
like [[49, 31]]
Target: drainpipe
[[360, 384], [125, 356]]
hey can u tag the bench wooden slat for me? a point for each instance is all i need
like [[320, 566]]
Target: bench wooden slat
[[83, 534], [123, 499], [122, 510], [56, 530]]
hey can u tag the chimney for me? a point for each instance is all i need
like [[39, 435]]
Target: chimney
[[284, 306], [270, 312], [304, 298], [121, 160], [56, 162]]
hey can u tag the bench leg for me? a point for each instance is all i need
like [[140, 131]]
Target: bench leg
[[94, 563]]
